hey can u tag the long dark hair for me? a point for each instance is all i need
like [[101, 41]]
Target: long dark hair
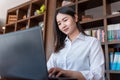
[[59, 36]]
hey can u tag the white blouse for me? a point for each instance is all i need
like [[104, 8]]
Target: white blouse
[[84, 54]]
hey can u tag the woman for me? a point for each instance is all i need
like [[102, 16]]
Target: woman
[[76, 55]]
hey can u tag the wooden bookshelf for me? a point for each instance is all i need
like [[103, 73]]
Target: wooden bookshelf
[[25, 16], [101, 10]]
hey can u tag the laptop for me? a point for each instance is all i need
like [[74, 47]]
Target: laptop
[[22, 56]]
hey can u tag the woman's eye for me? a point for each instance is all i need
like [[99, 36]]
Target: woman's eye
[[59, 23], [65, 20]]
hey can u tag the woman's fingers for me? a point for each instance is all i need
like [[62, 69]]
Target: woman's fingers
[[52, 72], [59, 74], [55, 72]]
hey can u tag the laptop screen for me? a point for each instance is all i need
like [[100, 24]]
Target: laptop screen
[[22, 55]]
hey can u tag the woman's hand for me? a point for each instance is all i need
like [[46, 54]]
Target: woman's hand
[[57, 72]]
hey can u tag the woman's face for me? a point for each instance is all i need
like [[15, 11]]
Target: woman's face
[[66, 23]]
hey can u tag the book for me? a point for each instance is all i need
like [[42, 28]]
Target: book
[[88, 32], [118, 63], [87, 17], [110, 32], [115, 61], [12, 18], [111, 59], [118, 32]]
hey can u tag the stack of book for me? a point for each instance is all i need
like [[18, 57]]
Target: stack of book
[[12, 18], [87, 17], [114, 60], [98, 33], [113, 32]]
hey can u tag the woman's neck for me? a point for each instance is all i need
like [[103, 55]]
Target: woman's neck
[[74, 35]]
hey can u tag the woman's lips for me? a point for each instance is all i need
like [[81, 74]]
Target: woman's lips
[[65, 29]]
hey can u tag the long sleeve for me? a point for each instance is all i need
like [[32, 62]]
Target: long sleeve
[[96, 56], [50, 62]]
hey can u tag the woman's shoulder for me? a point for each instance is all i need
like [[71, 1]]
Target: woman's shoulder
[[90, 38]]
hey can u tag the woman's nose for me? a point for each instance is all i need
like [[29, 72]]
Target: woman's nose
[[63, 25]]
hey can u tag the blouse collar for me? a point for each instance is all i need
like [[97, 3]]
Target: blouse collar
[[81, 36]]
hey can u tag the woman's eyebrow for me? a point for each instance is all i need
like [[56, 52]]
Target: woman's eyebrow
[[62, 19]]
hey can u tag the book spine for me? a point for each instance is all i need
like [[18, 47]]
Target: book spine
[[115, 62], [109, 33], [119, 32], [88, 32], [103, 36], [118, 63], [111, 60]]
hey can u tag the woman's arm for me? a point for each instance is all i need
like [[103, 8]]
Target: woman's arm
[[96, 57], [57, 72]]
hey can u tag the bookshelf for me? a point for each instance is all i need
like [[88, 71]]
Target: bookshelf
[[99, 14], [26, 16], [103, 14]]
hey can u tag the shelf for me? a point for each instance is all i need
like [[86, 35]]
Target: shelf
[[22, 25], [86, 9], [10, 28], [112, 1], [34, 20], [114, 72], [12, 10], [36, 6], [114, 76], [59, 3], [37, 1], [88, 4], [12, 16], [82, 1], [24, 12], [92, 23], [22, 20], [100, 10], [113, 42], [70, 5], [10, 24], [113, 6], [103, 43], [113, 19], [25, 16], [35, 16]]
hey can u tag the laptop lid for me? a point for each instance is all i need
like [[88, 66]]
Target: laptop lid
[[22, 55]]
